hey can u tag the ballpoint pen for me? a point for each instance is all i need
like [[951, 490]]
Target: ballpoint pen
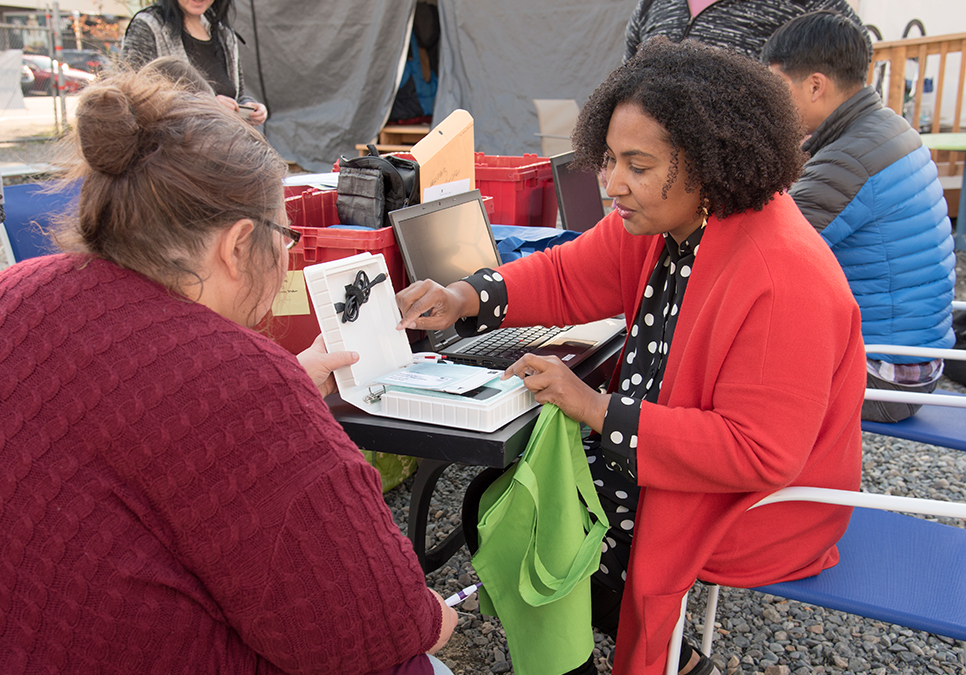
[[460, 596]]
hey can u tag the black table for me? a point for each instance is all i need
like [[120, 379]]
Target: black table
[[439, 447]]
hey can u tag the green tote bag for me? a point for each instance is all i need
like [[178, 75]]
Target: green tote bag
[[538, 546]]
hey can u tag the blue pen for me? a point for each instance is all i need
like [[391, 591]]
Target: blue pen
[[460, 596]]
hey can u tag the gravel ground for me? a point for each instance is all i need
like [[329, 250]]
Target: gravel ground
[[755, 633]]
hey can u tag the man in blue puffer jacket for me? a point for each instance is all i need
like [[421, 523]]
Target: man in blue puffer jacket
[[872, 191]]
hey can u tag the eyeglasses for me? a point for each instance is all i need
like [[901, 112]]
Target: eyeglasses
[[289, 236]]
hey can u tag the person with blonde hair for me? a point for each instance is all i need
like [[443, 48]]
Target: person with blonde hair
[[175, 495]]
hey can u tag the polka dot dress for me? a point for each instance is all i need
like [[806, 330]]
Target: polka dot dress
[[646, 351]]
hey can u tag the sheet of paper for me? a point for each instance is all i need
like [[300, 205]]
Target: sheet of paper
[[324, 181], [446, 377], [446, 189]]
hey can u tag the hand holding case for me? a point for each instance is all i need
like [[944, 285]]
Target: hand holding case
[[376, 383]]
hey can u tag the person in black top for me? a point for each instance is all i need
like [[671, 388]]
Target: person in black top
[[198, 32]]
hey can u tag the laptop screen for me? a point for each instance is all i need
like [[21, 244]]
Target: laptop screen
[[578, 194], [446, 239]]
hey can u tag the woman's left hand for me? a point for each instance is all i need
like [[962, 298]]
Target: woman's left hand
[[551, 381], [320, 364], [258, 115]]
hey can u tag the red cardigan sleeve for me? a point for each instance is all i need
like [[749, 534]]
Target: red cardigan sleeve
[[595, 276]]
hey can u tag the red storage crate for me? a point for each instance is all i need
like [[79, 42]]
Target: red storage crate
[[313, 213], [521, 187], [489, 206], [312, 208], [321, 244]]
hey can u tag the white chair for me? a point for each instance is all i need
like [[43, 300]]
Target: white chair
[[7, 257], [29, 210], [920, 576], [918, 569], [942, 419], [937, 426]]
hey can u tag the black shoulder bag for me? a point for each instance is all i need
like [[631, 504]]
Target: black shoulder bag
[[372, 186]]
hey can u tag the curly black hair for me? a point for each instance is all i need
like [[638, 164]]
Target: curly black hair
[[733, 119]]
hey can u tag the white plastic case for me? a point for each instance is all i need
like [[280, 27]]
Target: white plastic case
[[374, 383]]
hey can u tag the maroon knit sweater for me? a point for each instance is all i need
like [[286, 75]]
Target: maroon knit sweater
[[175, 496]]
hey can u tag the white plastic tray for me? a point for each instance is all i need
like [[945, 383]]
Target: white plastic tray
[[383, 350]]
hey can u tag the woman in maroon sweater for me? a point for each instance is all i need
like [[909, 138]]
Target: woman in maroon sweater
[[175, 496]]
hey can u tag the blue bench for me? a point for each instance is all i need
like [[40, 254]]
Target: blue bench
[[893, 568], [27, 212], [933, 424]]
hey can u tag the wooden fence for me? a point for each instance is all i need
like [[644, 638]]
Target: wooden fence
[[896, 54]]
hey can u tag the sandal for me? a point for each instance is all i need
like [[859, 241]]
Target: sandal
[[704, 666]]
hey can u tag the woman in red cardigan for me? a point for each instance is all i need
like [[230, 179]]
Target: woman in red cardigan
[[743, 370], [175, 495]]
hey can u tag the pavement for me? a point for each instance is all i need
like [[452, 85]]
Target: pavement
[[25, 129], [24, 133]]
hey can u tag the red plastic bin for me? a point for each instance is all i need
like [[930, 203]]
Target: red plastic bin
[[521, 187], [313, 214], [322, 244], [312, 208]]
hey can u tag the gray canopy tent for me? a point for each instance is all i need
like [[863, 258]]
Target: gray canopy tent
[[329, 70]]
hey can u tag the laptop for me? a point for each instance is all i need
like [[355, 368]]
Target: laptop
[[578, 194], [447, 239]]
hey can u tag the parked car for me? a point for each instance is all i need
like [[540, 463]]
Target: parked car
[[26, 79], [45, 78], [88, 60]]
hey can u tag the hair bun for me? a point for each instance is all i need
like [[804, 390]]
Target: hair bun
[[107, 129]]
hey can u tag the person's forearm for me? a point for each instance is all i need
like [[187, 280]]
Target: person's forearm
[[469, 301], [596, 411]]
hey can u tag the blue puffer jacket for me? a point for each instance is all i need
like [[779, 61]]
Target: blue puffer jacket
[[872, 190]]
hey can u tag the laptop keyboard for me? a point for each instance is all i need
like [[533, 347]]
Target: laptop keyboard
[[511, 343]]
